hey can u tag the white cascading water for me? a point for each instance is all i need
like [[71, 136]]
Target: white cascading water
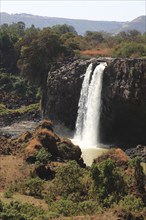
[[82, 110], [87, 124]]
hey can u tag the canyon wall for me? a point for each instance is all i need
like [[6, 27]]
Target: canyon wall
[[123, 113]]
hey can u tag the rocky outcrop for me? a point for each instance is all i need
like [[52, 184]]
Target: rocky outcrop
[[59, 148], [123, 115], [139, 151], [60, 103]]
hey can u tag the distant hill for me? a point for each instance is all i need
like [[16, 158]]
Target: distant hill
[[137, 24], [81, 26]]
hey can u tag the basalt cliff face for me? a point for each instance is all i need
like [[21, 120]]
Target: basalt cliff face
[[123, 111]]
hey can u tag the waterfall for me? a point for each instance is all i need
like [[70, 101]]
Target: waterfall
[[87, 124], [82, 110]]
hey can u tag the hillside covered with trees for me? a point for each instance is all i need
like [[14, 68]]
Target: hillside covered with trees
[[26, 50]]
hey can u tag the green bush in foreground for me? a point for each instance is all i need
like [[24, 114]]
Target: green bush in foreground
[[65, 207], [131, 203], [18, 211], [33, 187], [42, 156], [109, 184], [76, 191], [70, 182]]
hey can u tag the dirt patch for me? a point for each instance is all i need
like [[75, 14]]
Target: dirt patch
[[13, 170]]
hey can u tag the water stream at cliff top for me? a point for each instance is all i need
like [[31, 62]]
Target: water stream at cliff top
[[87, 123]]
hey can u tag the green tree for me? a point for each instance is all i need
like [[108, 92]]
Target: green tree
[[37, 57], [34, 187], [63, 29], [67, 179], [131, 49], [94, 36], [8, 53], [138, 174], [69, 182], [108, 183], [70, 41]]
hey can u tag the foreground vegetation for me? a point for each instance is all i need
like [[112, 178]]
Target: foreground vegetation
[[78, 191], [58, 177]]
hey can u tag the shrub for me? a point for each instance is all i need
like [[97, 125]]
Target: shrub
[[42, 156], [6, 82], [1, 206], [9, 192], [34, 187], [131, 49], [109, 184], [89, 208], [131, 203], [139, 176], [68, 180], [18, 211], [65, 207]]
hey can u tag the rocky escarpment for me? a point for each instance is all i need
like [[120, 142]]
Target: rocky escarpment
[[123, 115], [60, 100]]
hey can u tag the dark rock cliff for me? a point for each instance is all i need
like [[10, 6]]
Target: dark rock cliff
[[123, 113], [123, 117]]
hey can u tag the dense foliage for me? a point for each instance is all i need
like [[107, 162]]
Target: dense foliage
[[80, 191], [32, 51]]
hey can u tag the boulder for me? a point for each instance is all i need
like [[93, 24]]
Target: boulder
[[60, 148]]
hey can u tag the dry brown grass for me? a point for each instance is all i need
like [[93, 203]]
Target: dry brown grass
[[45, 132], [99, 52], [33, 146], [12, 170]]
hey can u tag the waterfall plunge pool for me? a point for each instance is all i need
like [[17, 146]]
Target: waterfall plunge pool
[[89, 153]]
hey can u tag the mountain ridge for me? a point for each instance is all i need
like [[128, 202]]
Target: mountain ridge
[[80, 25]]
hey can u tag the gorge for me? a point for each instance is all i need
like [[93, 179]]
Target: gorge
[[123, 108]]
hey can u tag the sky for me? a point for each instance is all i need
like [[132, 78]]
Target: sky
[[109, 10]]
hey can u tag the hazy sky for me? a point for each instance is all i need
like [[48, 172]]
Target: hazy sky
[[119, 10]]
